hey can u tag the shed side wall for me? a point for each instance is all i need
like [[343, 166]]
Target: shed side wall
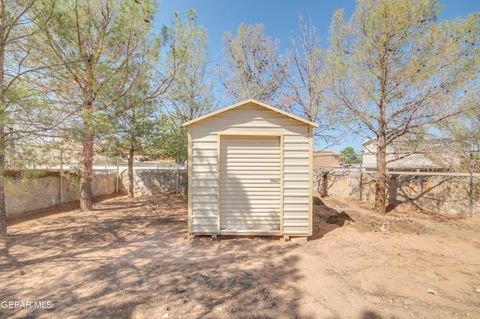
[[250, 118]]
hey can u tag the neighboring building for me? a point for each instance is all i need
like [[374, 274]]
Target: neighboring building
[[250, 172], [326, 159], [427, 156]]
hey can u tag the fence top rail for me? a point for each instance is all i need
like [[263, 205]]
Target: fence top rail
[[453, 174], [412, 173], [435, 174]]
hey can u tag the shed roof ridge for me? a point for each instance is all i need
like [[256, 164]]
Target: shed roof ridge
[[233, 106]]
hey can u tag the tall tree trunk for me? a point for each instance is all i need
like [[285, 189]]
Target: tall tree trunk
[[86, 174], [324, 185], [131, 184], [381, 178], [3, 208]]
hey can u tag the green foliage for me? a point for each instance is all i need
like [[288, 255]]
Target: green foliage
[[137, 113], [349, 156], [98, 50], [173, 139], [131, 130], [191, 92], [154, 131], [23, 109]]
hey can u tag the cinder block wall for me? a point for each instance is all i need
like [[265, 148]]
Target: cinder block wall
[[438, 194], [30, 194], [155, 181]]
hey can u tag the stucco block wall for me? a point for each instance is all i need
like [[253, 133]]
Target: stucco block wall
[[37, 193], [438, 194], [155, 181]]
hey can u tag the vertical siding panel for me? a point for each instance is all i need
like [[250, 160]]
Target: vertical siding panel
[[203, 168]]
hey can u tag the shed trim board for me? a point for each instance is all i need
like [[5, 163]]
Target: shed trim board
[[282, 176], [310, 179], [242, 140], [189, 172]]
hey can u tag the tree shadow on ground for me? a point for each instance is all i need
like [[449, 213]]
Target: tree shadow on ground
[[326, 219], [391, 207], [138, 262], [368, 314]]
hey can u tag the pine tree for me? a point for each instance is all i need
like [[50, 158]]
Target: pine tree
[[100, 48]]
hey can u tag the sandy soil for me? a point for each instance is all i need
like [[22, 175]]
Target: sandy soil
[[133, 259]]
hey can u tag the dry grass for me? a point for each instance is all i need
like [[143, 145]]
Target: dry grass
[[133, 259]]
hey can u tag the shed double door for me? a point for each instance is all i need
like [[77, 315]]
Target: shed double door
[[250, 177]]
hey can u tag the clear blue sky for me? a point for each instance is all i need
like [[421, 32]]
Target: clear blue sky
[[280, 18]]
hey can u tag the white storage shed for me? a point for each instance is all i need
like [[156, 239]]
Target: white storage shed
[[250, 172]]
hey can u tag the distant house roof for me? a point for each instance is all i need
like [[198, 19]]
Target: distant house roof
[[326, 152], [326, 159], [412, 154], [231, 107]]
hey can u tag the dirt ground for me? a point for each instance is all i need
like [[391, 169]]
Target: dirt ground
[[133, 259]]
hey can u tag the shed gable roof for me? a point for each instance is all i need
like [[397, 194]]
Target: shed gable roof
[[268, 107]]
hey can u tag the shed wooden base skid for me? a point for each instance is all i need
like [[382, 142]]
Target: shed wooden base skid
[[295, 238]]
